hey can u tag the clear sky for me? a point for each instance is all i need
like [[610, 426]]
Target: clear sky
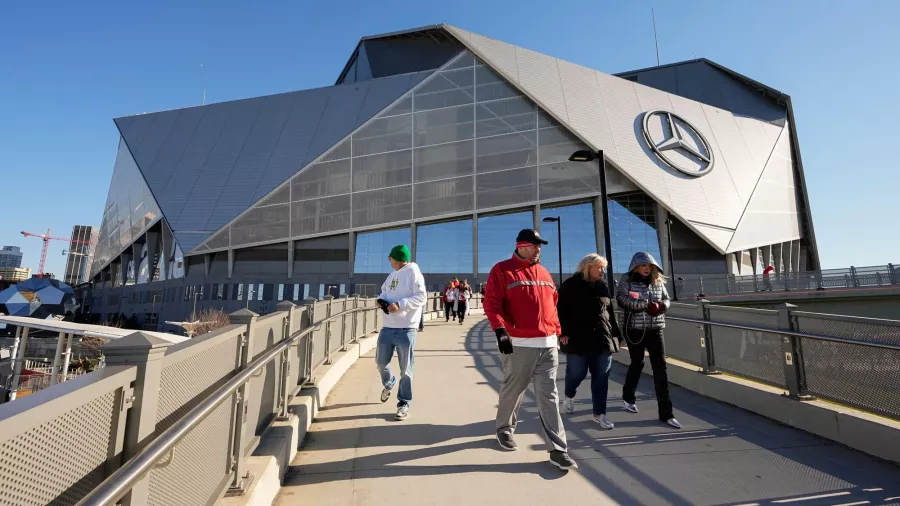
[[68, 68]]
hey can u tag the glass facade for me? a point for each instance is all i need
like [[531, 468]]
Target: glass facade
[[578, 237], [129, 211], [445, 248], [463, 140], [372, 249], [497, 238], [633, 228]]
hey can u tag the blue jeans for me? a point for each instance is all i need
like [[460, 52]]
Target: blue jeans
[[577, 367], [404, 341]]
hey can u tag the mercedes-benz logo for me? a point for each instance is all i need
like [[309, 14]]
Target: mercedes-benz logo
[[681, 145]]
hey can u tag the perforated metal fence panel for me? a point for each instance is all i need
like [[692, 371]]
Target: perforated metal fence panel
[[198, 470], [682, 338], [752, 354], [46, 463], [861, 376]]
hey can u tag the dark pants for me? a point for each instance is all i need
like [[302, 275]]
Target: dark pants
[[577, 367], [654, 343], [448, 310], [461, 310]]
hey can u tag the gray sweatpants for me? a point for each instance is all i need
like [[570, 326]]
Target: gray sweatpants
[[537, 366]]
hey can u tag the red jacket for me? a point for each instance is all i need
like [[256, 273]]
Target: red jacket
[[521, 298]]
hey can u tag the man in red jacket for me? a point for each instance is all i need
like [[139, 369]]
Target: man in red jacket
[[520, 303]]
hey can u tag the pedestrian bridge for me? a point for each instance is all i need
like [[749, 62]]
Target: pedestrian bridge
[[220, 419]]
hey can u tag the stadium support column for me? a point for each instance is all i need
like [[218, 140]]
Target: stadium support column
[[475, 246], [352, 249], [537, 218], [290, 260], [230, 263], [412, 241]]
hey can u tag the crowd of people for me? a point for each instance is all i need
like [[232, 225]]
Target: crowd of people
[[533, 322]]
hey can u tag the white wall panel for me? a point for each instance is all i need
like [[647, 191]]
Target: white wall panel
[[501, 55], [757, 140], [718, 185], [772, 215], [719, 237], [586, 107], [539, 74], [742, 167]]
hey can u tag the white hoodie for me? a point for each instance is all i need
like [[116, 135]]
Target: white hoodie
[[407, 288]]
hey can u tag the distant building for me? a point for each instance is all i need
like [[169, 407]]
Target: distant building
[[11, 256], [78, 263], [15, 274]]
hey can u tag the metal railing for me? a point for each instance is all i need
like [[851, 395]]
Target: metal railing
[[850, 278], [153, 395], [850, 360]]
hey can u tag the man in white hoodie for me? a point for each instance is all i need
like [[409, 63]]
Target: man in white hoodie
[[402, 299]]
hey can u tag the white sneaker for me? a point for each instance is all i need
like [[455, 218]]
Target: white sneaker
[[402, 412], [631, 408], [674, 423], [604, 423], [568, 406]]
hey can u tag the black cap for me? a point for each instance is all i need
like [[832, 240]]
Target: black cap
[[530, 236]]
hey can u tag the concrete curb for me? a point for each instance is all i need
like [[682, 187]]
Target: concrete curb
[[868, 433], [280, 443]]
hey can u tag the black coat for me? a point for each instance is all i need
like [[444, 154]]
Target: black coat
[[587, 317]]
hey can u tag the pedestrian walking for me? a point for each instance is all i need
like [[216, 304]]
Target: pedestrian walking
[[449, 301], [520, 303], [642, 294], [767, 279], [402, 299], [462, 294], [590, 334]]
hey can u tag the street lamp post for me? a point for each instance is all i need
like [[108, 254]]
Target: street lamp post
[[586, 155], [558, 220], [194, 313], [672, 260]]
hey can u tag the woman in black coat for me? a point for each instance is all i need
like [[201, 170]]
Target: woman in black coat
[[590, 334]]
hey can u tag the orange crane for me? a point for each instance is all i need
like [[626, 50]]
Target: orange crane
[[47, 238]]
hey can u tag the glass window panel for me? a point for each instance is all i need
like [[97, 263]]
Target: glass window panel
[[497, 238], [402, 107], [281, 196], [568, 179], [382, 135], [262, 224], [444, 125], [578, 237], [338, 152], [384, 170], [505, 152], [490, 86], [372, 249], [633, 228], [443, 197], [240, 292], [446, 89], [296, 292], [505, 116], [321, 179], [443, 161], [557, 145], [320, 215], [464, 60], [382, 206], [445, 248], [509, 187]]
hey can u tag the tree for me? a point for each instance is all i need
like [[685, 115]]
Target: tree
[[211, 319]]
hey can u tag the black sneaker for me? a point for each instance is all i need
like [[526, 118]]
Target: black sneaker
[[562, 460], [506, 441]]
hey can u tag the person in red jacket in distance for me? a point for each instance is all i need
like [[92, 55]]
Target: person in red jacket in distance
[[520, 303]]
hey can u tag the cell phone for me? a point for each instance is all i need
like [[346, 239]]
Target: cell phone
[[634, 295]]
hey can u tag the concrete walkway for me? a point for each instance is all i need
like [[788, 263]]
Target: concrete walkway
[[445, 453]]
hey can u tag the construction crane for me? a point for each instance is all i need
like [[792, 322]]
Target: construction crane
[[47, 238]]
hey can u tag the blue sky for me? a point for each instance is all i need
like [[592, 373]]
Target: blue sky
[[68, 68]]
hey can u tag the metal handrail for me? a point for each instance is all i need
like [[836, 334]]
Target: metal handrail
[[120, 482], [789, 333]]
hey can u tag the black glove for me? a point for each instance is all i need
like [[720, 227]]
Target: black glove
[[384, 305], [503, 341]]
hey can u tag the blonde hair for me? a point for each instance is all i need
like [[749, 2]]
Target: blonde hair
[[590, 259]]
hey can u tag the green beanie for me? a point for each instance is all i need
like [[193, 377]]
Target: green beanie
[[400, 253]]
